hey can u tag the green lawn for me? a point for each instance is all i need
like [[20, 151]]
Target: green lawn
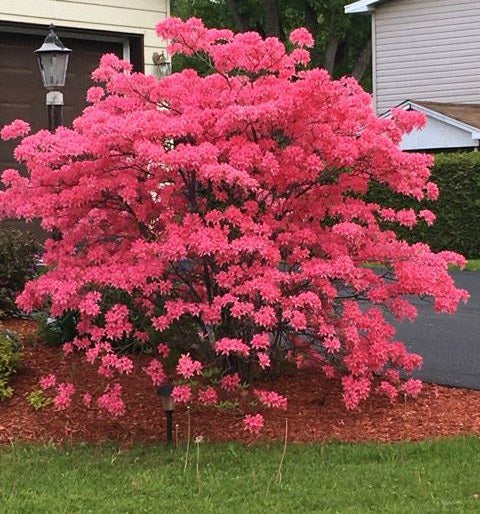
[[437, 477], [473, 265]]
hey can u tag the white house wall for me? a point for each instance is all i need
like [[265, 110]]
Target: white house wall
[[125, 16], [427, 50], [438, 134]]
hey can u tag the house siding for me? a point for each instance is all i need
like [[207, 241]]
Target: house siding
[[426, 50], [117, 16]]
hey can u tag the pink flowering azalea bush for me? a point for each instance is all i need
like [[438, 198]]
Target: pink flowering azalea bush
[[236, 201]]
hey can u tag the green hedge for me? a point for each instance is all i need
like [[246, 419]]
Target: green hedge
[[10, 347], [458, 209], [18, 257]]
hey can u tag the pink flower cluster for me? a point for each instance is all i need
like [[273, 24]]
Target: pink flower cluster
[[253, 423], [182, 394], [412, 387], [263, 360], [111, 401], [271, 399], [15, 129], [47, 381], [227, 346], [208, 396], [156, 372], [63, 398], [230, 382], [187, 367], [163, 350], [302, 37]]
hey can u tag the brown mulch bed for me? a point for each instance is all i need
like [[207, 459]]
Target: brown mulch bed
[[315, 410]]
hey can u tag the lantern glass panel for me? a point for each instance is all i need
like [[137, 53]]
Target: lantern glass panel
[[164, 69], [53, 67]]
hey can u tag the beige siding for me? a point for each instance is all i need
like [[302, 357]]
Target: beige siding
[[124, 16], [427, 50]]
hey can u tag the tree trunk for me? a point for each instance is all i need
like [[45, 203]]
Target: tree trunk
[[330, 54], [272, 19], [363, 61], [240, 23], [311, 21]]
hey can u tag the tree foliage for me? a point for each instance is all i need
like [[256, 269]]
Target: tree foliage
[[342, 42], [236, 201]]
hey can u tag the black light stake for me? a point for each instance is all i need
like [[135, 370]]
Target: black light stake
[[53, 61], [165, 393]]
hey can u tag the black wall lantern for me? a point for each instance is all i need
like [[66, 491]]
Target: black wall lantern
[[53, 61], [164, 67]]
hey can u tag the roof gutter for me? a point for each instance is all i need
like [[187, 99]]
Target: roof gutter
[[409, 104], [362, 6]]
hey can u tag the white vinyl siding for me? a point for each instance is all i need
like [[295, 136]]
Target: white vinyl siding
[[124, 16], [427, 50]]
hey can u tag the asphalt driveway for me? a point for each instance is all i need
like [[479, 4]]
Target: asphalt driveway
[[449, 344]]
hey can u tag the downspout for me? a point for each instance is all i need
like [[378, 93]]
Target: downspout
[[374, 62]]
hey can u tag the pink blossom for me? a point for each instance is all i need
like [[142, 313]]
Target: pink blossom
[[432, 191], [208, 396], [271, 399], [67, 348], [111, 362], [141, 335], [87, 400], [163, 350], [63, 398], [111, 401], [329, 371], [389, 390], [428, 216], [355, 390], [302, 37], [230, 382], [261, 341], [90, 303], [226, 346], [332, 344], [11, 177], [92, 353], [188, 367], [412, 387], [15, 129], [265, 317], [392, 375], [117, 321], [182, 394], [95, 94], [156, 372], [253, 423], [47, 381], [407, 217], [263, 360]]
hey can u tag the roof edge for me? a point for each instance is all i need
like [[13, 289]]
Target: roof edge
[[475, 131], [362, 6]]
